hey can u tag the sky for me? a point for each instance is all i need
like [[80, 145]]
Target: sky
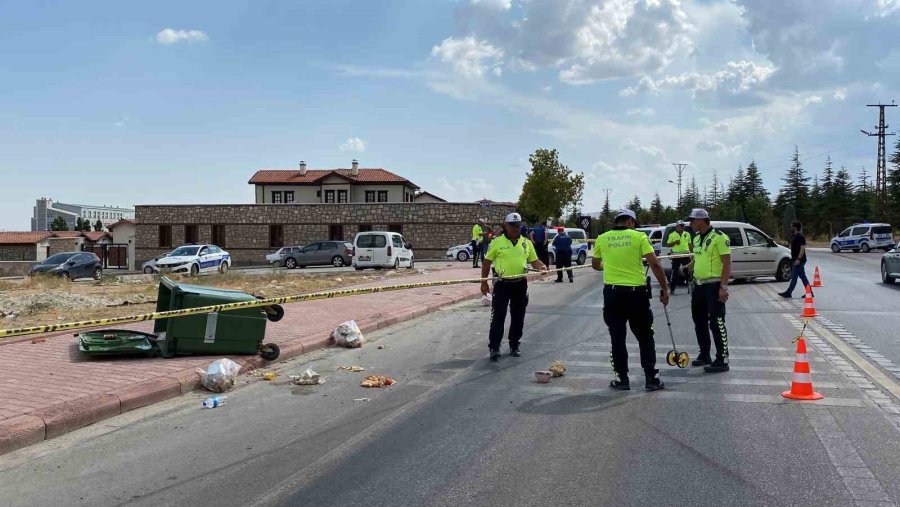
[[171, 102]]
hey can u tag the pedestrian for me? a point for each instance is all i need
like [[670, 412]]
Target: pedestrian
[[486, 239], [477, 235], [712, 269], [562, 253], [620, 253], [679, 241], [509, 256], [538, 235], [798, 260]]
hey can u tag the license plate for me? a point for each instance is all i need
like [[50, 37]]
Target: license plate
[[365, 258]]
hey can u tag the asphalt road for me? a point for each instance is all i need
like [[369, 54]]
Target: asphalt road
[[457, 429]]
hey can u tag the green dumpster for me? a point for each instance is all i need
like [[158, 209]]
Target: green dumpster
[[116, 342], [239, 331]]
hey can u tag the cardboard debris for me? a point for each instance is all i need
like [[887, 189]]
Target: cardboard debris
[[377, 381], [355, 368], [557, 368], [269, 375]]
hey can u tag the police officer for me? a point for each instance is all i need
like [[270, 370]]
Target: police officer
[[562, 252], [620, 253], [477, 235], [679, 241], [509, 255], [712, 268]]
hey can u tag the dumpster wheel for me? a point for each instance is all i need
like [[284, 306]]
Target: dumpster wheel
[[269, 351], [274, 313]]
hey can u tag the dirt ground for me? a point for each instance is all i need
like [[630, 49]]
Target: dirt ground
[[46, 300]]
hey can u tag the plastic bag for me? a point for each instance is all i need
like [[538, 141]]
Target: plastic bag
[[487, 299], [220, 375], [307, 378], [348, 335]]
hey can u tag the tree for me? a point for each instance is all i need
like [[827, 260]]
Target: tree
[[864, 196], [78, 222], [98, 226], [795, 191], [550, 187], [656, 209], [752, 183], [691, 198], [605, 215], [59, 224], [842, 198]]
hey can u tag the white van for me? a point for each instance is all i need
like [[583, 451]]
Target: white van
[[379, 249]]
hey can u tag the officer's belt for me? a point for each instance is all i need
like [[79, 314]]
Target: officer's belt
[[630, 288], [708, 281]]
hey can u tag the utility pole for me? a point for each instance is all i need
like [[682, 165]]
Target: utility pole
[[881, 167], [679, 171]]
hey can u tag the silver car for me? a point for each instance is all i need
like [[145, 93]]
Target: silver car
[[890, 265], [322, 253], [149, 267], [277, 258]]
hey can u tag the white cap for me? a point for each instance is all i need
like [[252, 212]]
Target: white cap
[[699, 213], [513, 218], [625, 213], [680, 222]]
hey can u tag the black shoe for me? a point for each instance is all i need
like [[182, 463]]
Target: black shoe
[[514, 351], [701, 361], [785, 295], [620, 384], [654, 383], [495, 356], [718, 366], [672, 292], [558, 281], [571, 280]]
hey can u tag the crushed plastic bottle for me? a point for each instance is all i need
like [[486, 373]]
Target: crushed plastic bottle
[[215, 401]]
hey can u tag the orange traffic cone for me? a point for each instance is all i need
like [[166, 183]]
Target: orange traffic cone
[[809, 310], [817, 280], [801, 386]]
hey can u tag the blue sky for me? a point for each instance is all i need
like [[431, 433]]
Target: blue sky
[[180, 102]]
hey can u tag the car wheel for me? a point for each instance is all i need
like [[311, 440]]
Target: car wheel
[[65, 275], [462, 256], [98, 274], [358, 268], [784, 271], [223, 268], [835, 248], [582, 258], [397, 263], [865, 248], [885, 278], [290, 263], [148, 270], [412, 262], [195, 270], [337, 261]]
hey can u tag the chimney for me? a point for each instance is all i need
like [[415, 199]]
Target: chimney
[[302, 168], [354, 171]]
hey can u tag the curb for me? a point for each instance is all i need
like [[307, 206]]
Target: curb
[[51, 422]]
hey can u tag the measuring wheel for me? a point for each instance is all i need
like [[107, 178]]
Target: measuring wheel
[[682, 359], [671, 358]]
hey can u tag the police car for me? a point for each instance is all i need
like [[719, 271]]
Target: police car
[[864, 237], [580, 245], [462, 253], [195, 260], [655, 235]]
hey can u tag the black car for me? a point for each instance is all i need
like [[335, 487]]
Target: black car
[[70, 266]]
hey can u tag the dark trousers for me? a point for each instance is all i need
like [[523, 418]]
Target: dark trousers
[[542, 253], [677, 276], [798, 272], [476, 251], [709, 315], [631, 307], [512, 294], [564, 260]]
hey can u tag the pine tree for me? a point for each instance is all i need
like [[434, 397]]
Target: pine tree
[[795, 191], [715, 197], [752, 184], [842, 199], [59, 224], [98, 226], [656, 209], [863, 196]]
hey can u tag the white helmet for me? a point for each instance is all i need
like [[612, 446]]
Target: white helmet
[[513, 218]]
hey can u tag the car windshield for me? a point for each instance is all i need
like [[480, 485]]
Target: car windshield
[[185, 251], [59, 258]]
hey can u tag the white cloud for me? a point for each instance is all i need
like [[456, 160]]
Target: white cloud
[[503, 5], [641, 111], [840, 94], [468, 57], [466, 190], [812, 99], [720, 149], [169, 36], [737, 84], [643, 149], [353, 144], [377, 72]]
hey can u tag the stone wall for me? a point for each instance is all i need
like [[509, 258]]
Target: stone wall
[[60, 245], [26, 252], [10, 268], [430, 227]]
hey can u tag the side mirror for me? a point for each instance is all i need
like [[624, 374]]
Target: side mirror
[[409, 246], [772, 243]]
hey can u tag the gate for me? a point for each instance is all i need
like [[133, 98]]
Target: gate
[[112, 256]]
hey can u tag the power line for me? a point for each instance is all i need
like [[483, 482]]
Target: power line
[[881, 169], [679, 170]]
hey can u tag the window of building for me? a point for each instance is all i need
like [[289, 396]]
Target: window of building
[[191, 234], [318, 194], [289, 197], [342, 196], [370, 196], [365, 227], [382, 196], [398, 228], [165, 236], [276, 197], [336, 232], [276, 236], [329, 196], [218, 235]]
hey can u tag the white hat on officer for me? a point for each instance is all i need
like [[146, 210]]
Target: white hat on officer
[[625, 213], [699, 213], [513, 218]]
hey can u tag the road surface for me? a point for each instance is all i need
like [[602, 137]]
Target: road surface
[[457, 429]]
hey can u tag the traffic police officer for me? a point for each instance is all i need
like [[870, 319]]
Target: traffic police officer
[[509, 255], [679, 241], [626, 296], [712, 269], [477, 236]]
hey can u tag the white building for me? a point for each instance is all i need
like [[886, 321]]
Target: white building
[[46, 211]]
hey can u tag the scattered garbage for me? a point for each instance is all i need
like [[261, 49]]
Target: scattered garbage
[[377, 381], [487, 299], [220, 375], [307, 378], [557, 368], [363, 399], [423, 271], [543, 376], [380, 347], [348, 335], [215, 401], [269, 375], [339, 280], [355, 368]]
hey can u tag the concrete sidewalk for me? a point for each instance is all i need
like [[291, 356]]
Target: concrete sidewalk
[[47, 388]]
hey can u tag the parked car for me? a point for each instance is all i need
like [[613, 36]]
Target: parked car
[[864, 237], [195, 260], [655, 235], [277, 258], [462, 253], [754, 254], [321, 253], [382, 250], [70, 266], [149, 267], [580, 247], [890, 265]]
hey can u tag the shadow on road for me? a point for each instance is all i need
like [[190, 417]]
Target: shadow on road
[[577, 404]]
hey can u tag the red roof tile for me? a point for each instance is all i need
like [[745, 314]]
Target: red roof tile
[[96, 236], [67, 234], [313, 176], [122, 221], [23, 238]]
